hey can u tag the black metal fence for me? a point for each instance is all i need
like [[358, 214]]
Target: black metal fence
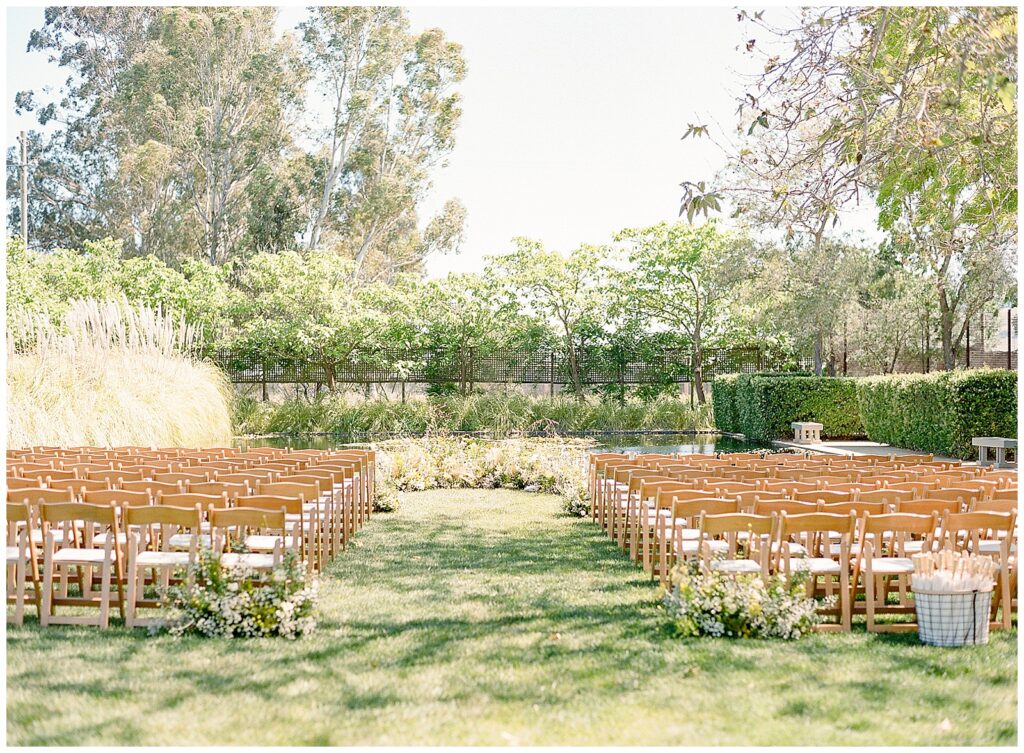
[[597, 366]]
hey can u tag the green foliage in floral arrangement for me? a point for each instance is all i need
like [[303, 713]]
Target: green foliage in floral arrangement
[[710, 603], [215, 600], [543, 465]]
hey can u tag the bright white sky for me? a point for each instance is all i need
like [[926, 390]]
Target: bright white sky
[[572, 117]]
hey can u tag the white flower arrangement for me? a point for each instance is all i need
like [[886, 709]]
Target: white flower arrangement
[[230, 602], [439, 462], [703, 603]]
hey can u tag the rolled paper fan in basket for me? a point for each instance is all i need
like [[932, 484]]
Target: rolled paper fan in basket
[[952, 597]]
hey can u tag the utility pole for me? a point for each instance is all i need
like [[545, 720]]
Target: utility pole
[[24, 188]]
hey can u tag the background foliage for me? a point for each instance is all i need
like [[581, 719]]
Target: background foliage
[[762, 406], [939, 413]]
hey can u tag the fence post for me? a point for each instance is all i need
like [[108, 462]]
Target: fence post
[[551, 378], [263, 373], [1009, 337]]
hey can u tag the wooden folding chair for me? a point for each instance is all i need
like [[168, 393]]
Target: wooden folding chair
[[114, 477], [991, 534], [231, 527], [816, 535], [606, 487], [152, 488], [299, 536], [748, 543], [217, 488], [21, 560], [310, 492], [678, 533], [14, 482], [884, 556], [994, 505], [151, 549], [886, 495], [824, 496], [84, 557], [1011, 494]]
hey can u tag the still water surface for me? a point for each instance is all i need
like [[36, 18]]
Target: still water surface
[[664, 443]]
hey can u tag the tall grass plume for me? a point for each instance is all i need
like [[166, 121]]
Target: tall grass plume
[[111, 373]]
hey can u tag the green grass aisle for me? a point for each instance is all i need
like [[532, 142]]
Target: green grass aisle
[[485, 617]]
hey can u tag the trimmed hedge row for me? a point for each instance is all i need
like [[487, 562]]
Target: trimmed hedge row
[[723, 400], [762, 406], [939, 413]]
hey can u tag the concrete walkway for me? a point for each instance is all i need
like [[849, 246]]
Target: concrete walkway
[[854, 447]]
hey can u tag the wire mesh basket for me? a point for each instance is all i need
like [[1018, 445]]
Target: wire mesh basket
[[957, 618]]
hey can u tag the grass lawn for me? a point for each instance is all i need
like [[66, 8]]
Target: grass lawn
[[486, 618]]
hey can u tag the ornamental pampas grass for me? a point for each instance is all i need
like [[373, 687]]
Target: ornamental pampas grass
[[111, 373]]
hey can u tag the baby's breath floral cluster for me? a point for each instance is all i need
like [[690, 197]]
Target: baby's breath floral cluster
[[552, 466], [703, 603], [221, 601]]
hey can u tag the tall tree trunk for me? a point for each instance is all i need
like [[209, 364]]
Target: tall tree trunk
[[698, 366], [817, 353], [946, 314]]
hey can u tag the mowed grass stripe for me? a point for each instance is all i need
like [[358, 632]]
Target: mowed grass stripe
[[486, 617]]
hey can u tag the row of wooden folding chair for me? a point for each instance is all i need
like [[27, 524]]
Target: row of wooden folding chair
[[624, 491], [122, 556], [841, 555], [341, 481], [613, 494]]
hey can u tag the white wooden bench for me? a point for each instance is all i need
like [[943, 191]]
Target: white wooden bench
[[999, 444], [806, 432]]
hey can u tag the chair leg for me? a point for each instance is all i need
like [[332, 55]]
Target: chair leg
[[19, 595], [104, 619], [1004, 588], [869, 599], [47, 608], [133, 590], [844, 601]]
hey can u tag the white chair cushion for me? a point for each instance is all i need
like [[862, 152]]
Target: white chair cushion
[[73, 555], [184, 540], [691, 546], [834, 549], [264, 542], [154, 559], [795, 549], [101, 538], [248, 559], [993, 546], [736, 566], [814, 565], [891, 565], [58, 535]]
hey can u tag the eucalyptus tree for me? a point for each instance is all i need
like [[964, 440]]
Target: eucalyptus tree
[[219, 83], [684, 278], [166, 118], [393, 111]]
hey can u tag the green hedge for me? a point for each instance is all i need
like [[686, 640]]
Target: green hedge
[[762, 406], [723, 400], [939, 413]]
